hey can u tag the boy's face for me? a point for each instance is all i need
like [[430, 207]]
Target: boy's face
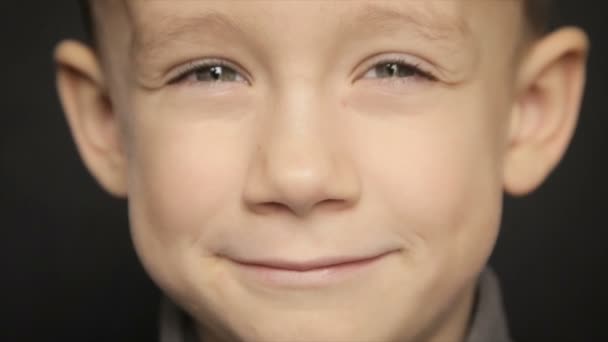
[[315, 171]]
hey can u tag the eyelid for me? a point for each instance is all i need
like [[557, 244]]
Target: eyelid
[[184, 70], [408, 60]]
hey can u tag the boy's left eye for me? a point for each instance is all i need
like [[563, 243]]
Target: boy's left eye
[[216, 73], [397, 69]]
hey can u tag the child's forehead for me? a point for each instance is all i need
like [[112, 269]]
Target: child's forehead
[[431, 17], [434, 15], [157, 26], [155, 22]]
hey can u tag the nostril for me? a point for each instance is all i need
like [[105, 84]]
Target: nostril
[[267, 208], [270, 207], [333, 204]]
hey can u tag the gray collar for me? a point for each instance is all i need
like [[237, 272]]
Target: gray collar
[[488, 324]]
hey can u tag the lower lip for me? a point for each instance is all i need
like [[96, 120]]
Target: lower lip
[[315, 278]]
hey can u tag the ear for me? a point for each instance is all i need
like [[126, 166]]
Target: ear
[[549, 89], [94, 125]]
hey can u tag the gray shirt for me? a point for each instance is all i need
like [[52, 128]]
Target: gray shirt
[[488, 323]]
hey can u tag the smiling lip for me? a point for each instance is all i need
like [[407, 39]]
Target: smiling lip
[[314, 273], [308, 265]]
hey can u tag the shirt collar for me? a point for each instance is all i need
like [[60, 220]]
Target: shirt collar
[[489, 322]]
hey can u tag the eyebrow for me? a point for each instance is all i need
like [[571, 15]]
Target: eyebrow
[[173, 27], [430, 23]]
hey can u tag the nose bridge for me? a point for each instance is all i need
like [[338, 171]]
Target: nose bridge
[[297, 164], [297, 126], [297, 154]]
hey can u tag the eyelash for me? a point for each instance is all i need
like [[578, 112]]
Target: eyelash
[[192, 68], [415, 68]]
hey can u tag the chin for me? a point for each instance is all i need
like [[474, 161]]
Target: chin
[[308, 327]]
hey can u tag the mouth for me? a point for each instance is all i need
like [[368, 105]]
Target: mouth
[[314, 273]]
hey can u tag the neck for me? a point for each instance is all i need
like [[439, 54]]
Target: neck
[[453, 324]]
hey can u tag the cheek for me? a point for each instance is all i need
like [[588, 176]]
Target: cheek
[[438, 169], [185, 175], [184, 172]]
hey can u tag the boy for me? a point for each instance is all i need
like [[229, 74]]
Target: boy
[[322, 171]]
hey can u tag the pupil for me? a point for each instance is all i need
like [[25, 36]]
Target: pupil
[[215, 72], [391, 69]]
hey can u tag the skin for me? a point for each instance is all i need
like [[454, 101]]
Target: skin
[[311, 152]]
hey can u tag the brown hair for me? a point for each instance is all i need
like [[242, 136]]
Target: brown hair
[[538, 13]]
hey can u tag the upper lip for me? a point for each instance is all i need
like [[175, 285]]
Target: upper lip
[[309, 265]]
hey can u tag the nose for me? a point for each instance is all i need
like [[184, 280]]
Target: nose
[[299, 165]]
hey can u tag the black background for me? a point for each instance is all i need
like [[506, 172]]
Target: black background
[[69, 273]]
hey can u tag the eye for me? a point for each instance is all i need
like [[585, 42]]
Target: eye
[[397, 69], [208, 72]]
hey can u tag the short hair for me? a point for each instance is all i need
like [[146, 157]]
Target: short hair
[[538, 14], [87, 19]]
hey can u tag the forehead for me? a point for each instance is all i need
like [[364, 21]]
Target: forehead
[[151, 20], [166, 15]]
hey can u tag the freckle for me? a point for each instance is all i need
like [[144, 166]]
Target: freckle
[[344, 103]]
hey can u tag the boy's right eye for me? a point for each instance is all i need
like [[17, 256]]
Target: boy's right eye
[[208, 72]]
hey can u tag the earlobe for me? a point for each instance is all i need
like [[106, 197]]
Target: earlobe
[[92, 121], [546, 108]]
